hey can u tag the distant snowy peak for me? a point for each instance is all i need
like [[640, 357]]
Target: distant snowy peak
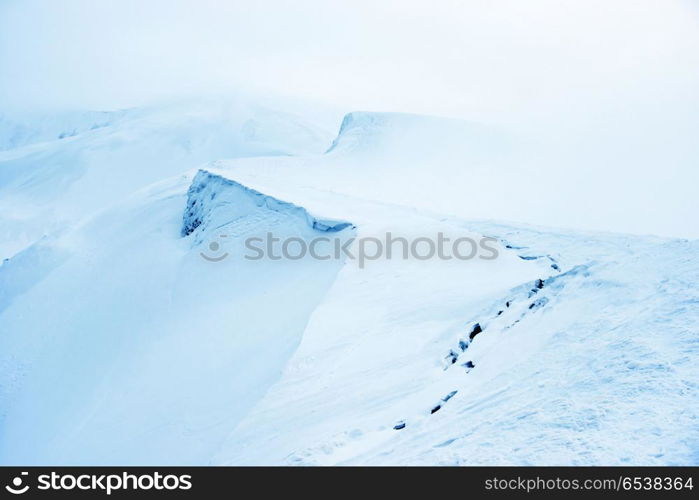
[[259, 128], [356, 128], [376, 133], [18, 131]]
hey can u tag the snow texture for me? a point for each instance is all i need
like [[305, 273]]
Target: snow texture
[[120, 344]]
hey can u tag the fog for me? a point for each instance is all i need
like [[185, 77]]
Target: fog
[[598, 89]]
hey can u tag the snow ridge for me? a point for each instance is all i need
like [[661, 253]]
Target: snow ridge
[[209, 191], [355, 126]]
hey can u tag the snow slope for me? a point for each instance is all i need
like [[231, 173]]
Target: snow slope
[[131, 348], [138, 333], [596, 367]]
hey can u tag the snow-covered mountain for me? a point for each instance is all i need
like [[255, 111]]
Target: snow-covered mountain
[[58, 169], [133, 330]]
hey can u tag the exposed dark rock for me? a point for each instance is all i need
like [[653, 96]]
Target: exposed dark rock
[[449, 396], [452, 357], [475, 331], [528, 257]]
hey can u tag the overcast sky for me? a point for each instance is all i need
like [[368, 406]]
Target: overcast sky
[[444, 57], [618, 80]]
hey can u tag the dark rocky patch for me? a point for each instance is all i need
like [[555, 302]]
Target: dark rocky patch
[[475, 331], [452, 357]]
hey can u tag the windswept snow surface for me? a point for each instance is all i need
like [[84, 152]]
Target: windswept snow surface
[[139, 334], [596, 367]]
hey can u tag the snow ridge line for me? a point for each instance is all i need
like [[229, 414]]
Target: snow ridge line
[[207, 186]]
